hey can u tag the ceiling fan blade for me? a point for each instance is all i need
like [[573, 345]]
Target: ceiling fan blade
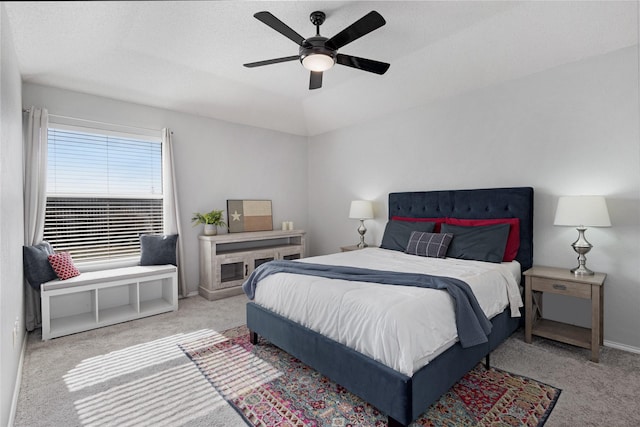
[[279, 26], [363, 63], [315, 82], [371, 21], [271, 61]]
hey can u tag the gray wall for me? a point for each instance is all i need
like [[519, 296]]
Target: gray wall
[[570, 130], [214, 160], [11, 219]]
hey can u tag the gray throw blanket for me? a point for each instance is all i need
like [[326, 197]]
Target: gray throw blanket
[[472, 324]]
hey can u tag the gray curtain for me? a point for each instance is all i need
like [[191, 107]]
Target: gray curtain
[[171, 205], [35, 198]]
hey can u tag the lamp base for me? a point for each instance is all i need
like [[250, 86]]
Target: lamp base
[[581, 270], [362, 229], [582, 247]]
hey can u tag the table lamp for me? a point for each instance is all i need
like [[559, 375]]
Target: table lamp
[[361, 209], [582, 212]]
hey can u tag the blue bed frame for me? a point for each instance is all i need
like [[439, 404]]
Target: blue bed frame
[[403, 399]]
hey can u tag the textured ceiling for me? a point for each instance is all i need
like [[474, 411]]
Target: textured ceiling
[[188, 56]]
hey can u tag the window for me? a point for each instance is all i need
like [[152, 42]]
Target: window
[[104, 189]]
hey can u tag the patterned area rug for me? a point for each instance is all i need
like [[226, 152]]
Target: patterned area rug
[[270, 388]]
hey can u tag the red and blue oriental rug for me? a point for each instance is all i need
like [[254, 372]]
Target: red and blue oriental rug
[[270, 388]]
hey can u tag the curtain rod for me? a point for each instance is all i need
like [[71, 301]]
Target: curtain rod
[[28, 110]]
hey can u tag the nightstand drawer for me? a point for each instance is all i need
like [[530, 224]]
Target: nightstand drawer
[[562, 287]]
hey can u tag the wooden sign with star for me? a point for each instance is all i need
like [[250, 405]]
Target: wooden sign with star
[[249, 215]]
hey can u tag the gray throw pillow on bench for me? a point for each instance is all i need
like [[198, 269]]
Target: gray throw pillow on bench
[[156, 249], [37, 269]]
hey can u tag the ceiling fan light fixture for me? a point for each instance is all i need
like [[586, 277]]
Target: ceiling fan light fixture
[[318, 62]]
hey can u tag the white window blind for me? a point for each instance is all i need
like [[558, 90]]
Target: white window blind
[[103, 191]]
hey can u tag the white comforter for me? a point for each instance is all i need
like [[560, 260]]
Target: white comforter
[[402, 327]]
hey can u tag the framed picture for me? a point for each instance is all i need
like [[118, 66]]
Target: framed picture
[[249, 215]]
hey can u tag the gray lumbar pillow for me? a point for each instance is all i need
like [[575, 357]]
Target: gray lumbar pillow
[[433, 245], [35, 261], [158, 249]]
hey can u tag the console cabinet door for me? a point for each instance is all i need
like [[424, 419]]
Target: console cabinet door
[[257, 258], [290, 253], [231, 270]]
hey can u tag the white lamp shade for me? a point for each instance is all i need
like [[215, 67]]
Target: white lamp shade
[[590, 211], [361, 209]]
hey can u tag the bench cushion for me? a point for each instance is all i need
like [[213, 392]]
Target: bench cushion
[[91, 277]]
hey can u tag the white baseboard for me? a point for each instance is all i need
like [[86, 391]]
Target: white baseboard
[[623, 347], [192, 294], [16, 389]]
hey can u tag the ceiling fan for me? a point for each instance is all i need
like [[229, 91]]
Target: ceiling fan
[[318, 54]]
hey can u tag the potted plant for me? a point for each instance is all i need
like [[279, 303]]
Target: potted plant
[[211, 220]]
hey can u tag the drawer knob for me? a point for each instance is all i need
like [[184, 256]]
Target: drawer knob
[[559, 287]]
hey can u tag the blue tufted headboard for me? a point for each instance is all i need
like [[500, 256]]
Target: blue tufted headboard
[[516, 202]]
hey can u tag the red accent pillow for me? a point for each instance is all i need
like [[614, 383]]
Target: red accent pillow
[[436, 228], [513, 240], [62, 264]]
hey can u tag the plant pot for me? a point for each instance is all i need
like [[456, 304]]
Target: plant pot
[[210, 230]]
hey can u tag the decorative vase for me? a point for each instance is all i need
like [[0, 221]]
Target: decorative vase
[[210, 230]]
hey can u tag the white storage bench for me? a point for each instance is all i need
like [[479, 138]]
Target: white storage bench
[[99, 298]]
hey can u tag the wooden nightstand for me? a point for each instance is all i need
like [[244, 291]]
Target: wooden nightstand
[[561, 281]]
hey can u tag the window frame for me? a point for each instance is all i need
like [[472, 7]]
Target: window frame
[[116, 131]]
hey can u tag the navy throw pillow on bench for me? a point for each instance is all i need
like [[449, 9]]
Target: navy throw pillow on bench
[[158, 249], [37, 269]]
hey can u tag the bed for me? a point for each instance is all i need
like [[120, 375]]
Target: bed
[[403, 396]]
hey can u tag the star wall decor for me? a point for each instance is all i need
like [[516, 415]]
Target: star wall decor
[[249, 215]]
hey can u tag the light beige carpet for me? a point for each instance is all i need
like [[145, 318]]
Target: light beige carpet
[[133, 374]]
